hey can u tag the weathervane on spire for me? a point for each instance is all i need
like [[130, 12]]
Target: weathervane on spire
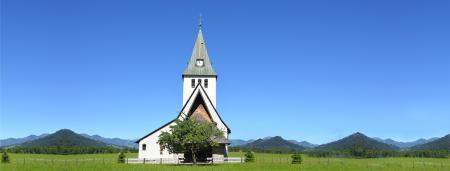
[[200, 21]]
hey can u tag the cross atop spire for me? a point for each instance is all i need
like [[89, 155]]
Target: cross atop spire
[[200, 22]]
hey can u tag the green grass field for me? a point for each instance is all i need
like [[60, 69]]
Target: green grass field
[[30, 162]]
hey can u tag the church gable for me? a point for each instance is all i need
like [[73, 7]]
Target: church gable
[[204, 110], [191, 108], [199, 110]]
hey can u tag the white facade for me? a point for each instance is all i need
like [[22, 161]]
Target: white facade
[[152, 147], [210, 90]]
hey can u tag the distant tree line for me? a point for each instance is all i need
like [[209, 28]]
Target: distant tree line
[[67, 150], [265, 150], [354, 153], [361, 153]]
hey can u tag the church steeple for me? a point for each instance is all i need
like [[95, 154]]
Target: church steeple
[[199, 63], [199, 71], [199, 104]]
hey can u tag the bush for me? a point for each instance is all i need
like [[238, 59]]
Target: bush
[[5, 157], [121, 158], [296, 158], [249, 157]]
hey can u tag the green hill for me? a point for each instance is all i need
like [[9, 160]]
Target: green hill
[[64, 142], [273, 144], [439, 144], [356, 141], [64, 138]]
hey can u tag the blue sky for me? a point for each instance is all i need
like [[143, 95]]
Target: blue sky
[[305, 70]]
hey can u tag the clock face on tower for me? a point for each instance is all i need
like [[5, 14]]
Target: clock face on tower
[[199, 62]]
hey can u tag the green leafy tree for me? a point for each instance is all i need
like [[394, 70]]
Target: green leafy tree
[[190, 136], [249, 157], [121, 158], [5, 157], [296, 158]]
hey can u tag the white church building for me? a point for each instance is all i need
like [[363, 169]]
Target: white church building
[[199, 103]]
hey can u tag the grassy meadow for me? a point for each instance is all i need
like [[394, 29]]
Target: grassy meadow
[[86, 162]]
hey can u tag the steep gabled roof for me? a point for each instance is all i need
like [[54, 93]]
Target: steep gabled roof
[[199, 112], [198, 91], [199, 53]]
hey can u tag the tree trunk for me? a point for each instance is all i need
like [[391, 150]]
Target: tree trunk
[[193, 156]]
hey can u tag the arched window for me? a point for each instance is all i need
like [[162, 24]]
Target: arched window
[[144, 147], [206, 83], [192, 83]]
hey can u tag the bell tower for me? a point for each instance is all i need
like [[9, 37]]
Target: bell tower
[[199, 71]]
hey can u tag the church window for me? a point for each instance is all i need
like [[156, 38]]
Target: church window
[[206, 83], [161, 149], [199, 81], [144, 147], [192, 83]]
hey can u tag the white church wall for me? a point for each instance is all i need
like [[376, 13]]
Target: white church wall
[[153, 148], [211, 90]]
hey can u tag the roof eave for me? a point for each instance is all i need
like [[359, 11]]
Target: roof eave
[[196, 75]]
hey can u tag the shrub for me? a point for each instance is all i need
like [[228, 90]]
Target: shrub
[[121, 158], [5, 157], [249, 157], [296, 158]]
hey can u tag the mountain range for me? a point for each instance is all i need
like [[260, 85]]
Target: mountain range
[[438, 144], [15, 141], [405, 145], [351, 142], [401, 145], [111, 141], [356, 140], [276, 143], [67, 137], [240, 142], [304, 143], [64, 138]]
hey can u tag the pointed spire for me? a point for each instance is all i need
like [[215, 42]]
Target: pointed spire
[[199, 63]]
